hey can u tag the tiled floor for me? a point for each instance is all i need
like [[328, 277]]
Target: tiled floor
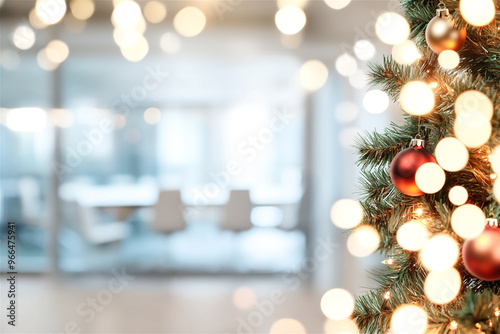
[[120, 303]]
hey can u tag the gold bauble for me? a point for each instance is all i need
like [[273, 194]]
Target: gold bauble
[[441, 35]]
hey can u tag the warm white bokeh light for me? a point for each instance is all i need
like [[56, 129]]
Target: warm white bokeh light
[[136, 50], [126, 14], [155, 11], [448, 59], [409, 319], [346, 213], [50, 11], [26, 119], [295, 3], [496, 190], [474, 100], [313, 75], [44, 61], [364, 49], [451, 154], [416, 98], [405, 53], [458, 195], [477, 12], [290, 20], [442, 287], [62, 118], [430, 178], [346, 326], [337, 304], [468, 221], [190, 21], [152, 115], [440, 253], [23, 37], [287, 325], [375, 101], [472, 128], [82, 9], [170, 43], [244, 298], [412, 235], [346, 65], [35, 20], [337, 4], [363, 242], [346, 112], [392, 28], [57, 51], [358, 79], [495, 159]]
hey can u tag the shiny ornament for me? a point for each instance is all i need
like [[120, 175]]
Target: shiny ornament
[[440, 33], [405, 164], [482, 255]]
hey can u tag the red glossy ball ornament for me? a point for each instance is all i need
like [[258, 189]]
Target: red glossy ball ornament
[[405, 164], [481, 256]]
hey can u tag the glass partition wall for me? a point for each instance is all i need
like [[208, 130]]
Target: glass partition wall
[[199, 140]]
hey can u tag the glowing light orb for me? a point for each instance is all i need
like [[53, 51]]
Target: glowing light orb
[[458, 195], [409, 319], [474, 100], [472, 128], [430, 178], [495, 159], [364, 49], [375, 101], [412, 235], [57, 51], [126, 14], [346, 65], [442, 287], [287, 325], [50, 11], [392, 28], [290, 20], [82, 9], [313, 75], [448, 59], [416, 98], [346, 326], [451, 154], [405, 53], [440, 253], [170, 43], [346, 213], [24, 37], [26, 119], [477, 12], [155, 11], [190, 21], [337, 304], [337, 4], [152, 116], [363, 242], [468, 221]]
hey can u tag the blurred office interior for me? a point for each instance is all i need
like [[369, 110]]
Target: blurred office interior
[[203, 166]]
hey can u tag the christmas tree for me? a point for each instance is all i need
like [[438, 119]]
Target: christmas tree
[[429, 185]]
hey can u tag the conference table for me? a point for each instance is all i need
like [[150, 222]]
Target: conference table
[[124, 199]]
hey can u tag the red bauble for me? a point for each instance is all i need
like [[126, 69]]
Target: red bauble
[[404, 167], [482, 255]]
